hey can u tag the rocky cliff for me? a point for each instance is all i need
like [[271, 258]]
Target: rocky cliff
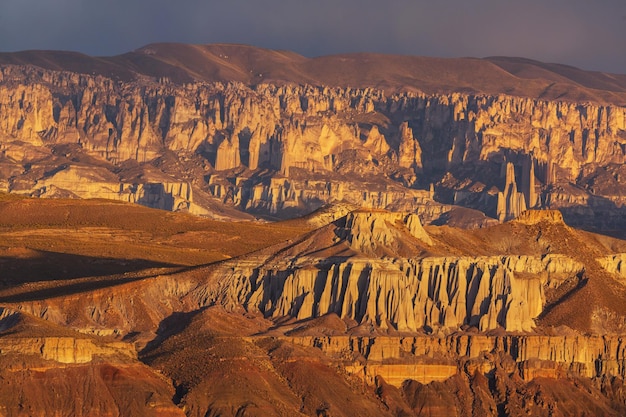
[[433, 293], [427, 359], [48, 369], [286, 148], [366, 267]]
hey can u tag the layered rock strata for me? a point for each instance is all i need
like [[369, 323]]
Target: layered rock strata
[[427, 359], [376, 285], [407, 295], [68, 350]]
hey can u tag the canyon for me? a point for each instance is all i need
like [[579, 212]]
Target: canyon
[[223, 230]]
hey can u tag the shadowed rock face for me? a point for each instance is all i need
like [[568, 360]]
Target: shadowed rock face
[[280, 148]]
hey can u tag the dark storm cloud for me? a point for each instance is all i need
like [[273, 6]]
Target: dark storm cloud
[[585, 33]]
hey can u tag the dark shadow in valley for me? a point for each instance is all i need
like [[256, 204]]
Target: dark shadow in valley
[[168, 327], [600, 215], [53, 266], [568, 290], [85, 285], [55, 272], [63, 290]]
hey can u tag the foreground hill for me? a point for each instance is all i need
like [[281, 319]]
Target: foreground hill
[[395, 318]]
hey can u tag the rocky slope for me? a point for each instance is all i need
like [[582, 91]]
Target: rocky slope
[[338, 270], [42, 363], [285, 144]]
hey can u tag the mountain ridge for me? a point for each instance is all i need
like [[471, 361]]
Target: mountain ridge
[[183, 63]]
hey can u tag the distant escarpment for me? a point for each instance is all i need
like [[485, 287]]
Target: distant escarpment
[[285, 147]]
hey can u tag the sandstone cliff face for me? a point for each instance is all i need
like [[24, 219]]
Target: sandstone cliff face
[[303, 131], [89, 182], [365, 231], [67, 350], [280, 195], [615, 264], [511, 203], [410, 295], [364, 271]]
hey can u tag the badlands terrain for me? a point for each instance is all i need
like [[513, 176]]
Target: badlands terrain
[[223, 230]]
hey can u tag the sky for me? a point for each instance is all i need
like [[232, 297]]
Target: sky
[[589, 34]]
